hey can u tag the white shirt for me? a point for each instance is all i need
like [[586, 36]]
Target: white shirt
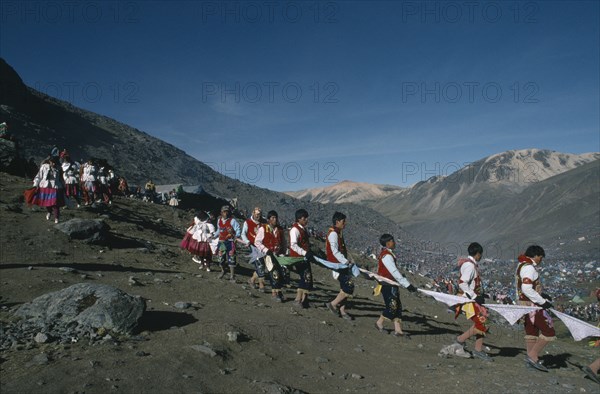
[[530, 272], [245, 231], [335, 248], [260, 236], [389, 263], [48, 177], [203, 231], [468, 273]]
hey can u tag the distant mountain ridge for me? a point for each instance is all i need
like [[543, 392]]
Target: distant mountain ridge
[[501, 200], [346, 192]]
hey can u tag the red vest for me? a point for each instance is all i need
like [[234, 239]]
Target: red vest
[[302, 241], [381, 270], [341, 245], [252, 229], [273, 239], [523, 261], [225, 229]]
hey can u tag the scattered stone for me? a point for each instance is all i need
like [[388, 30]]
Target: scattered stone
[[68, 269], [232, 336], [133, 281], [299, 352], [182, 305], [356, 376], [420, 346], [358, 350], [204, 350], [30, 268], [40, 359], [568, 386], [141, 353], [321, 360], [41, 338]]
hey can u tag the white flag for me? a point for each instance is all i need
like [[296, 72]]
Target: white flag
[[512, 313], [579, 329], [447, 299]]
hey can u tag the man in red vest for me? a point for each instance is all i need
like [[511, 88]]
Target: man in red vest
[[300, 247], [249, 231], [228, 230], [470, 286], [269, 240], [391, 296], [337, 253], [539, 327]]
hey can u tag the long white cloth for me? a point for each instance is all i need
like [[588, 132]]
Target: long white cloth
[[338, 266], [447, 299], [512, 313], [371, 275], [578, 328]]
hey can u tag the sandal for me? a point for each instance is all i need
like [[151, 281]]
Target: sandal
[[590, 374], [401, 335], [332, 309]]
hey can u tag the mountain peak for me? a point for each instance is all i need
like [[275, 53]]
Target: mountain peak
[[12, 89]]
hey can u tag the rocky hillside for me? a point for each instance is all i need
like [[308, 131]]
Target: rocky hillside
[[200, 333], [39, 122], [346, 192]]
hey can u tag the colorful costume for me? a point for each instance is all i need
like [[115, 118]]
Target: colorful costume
[[387, 268], [538, 323], [469, 285], [337, 253], [299, 246]]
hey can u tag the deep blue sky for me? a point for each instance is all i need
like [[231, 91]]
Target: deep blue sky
[[336, 90]]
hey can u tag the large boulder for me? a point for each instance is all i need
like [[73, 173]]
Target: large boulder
[[86, 307], [90, 230]]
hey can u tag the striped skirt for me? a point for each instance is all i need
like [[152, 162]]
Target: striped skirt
[[49, 197]]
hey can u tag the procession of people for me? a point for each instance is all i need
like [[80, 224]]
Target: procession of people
[[276, 252]]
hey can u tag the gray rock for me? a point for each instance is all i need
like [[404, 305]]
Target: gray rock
[[86, 306], [182, 305], [204, 350], [92, 231], [67, 269], [232, 336], [40, 359], [356, 376], [41, 338]]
